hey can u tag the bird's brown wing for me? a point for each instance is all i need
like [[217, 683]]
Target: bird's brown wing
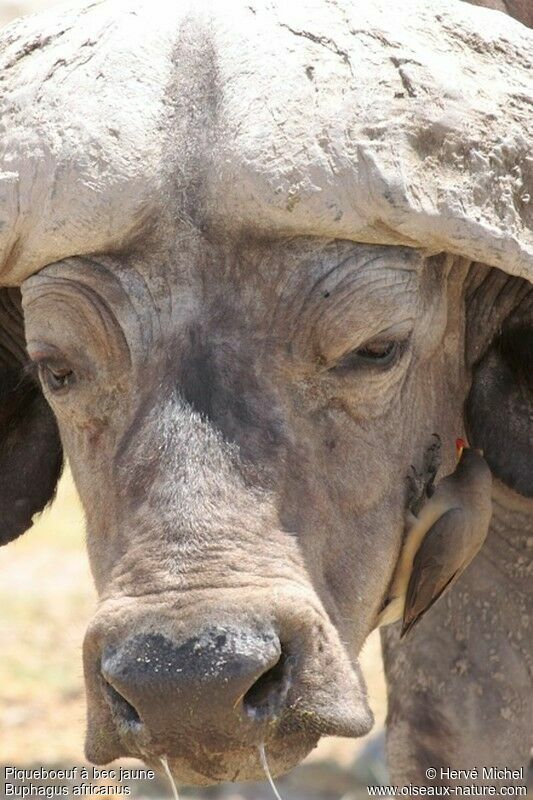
[[438, 561]]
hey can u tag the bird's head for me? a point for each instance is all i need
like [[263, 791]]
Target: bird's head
[[460, 445]]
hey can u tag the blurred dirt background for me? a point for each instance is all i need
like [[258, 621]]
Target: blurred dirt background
[[46, 599]]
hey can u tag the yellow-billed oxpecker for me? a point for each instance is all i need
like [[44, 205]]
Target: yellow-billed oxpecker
[[443, 536]]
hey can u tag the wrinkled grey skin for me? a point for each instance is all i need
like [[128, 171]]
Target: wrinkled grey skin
[[259, 431], [241, 459], [252, 496]]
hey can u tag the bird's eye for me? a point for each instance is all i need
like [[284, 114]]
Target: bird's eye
[[381, 354], [57, 379]]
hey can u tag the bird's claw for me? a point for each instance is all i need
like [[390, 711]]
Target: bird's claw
[[432, 462], [421, 484], [416, 486]]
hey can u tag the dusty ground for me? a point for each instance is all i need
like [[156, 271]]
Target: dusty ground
[[46, 598]]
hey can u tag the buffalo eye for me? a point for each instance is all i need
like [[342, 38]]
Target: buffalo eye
[[380, 354], [57, 379]]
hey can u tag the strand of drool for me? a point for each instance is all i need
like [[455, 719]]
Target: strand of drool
[[266, 770], [163, 760]]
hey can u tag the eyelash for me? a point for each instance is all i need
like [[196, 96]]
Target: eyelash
[[58, 381], [365, 356]]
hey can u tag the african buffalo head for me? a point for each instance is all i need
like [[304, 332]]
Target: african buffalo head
[[261, 263]]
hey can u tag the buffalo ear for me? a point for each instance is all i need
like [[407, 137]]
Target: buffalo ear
[[31, 456], [499, 408]]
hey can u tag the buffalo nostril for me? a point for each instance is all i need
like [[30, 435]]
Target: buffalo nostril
[[268, 694], [222, 679], [121, 707]]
